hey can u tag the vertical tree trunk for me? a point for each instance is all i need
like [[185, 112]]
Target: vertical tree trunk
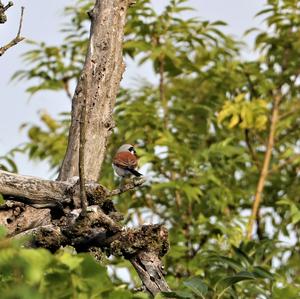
[[99, 83]]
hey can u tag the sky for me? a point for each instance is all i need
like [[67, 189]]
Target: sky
[[42, 24]]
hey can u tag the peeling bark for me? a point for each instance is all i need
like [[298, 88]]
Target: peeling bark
[[99, 82], [150, 271], [17, 217], [40, 193]]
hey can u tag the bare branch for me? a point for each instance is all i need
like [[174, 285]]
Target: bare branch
[[3, 9], [41, 193], [67, 87], [83, 197], [33, 232], [32, 190], [265, 168], [143, 246], [21, 22], [8, 5], [17, 39], [129, 186]]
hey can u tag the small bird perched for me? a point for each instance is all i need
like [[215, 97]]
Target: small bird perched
[[125, 161]]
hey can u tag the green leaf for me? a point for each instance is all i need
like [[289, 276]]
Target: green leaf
[[260, 272], [177, 294], [120, 294], [70, 260], [229, 281], [197, 285]]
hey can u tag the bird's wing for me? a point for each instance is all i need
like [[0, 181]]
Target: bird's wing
[[125, 160]]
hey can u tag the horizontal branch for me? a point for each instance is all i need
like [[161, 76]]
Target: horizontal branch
[[33, 191], [135, 182], [41, 193]]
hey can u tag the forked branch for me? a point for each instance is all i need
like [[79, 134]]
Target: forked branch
[[18, 37], [3, 9]]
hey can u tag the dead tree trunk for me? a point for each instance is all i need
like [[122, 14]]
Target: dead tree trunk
[[98, 84], [49, 210]]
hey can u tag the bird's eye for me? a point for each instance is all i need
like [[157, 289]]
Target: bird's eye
[[131, 149]]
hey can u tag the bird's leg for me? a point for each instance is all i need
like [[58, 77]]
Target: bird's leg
[[122, 184]]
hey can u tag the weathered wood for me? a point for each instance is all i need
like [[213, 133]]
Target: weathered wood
[[32, 190], [150, 270], [41, 193], [17, 217], [143, 246], [147, 261], [99, 82]]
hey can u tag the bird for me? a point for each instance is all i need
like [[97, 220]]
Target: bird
[[125, 161]]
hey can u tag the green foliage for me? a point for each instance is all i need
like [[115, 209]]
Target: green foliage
[[47, 142], [36, 273], [7, 163], [246, 114], [201, 132]]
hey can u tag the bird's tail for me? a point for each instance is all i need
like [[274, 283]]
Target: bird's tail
[[134, 172]]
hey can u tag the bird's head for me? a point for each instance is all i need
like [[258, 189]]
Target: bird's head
[[127, 148]]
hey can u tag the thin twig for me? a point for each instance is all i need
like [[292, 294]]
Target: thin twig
[[131, 185], [17, 39], [82, 140], [3, 9], [21, 21], [265, 168], [7, 6]]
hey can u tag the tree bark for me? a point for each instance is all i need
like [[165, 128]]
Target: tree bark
[[99, 82], [40, 193]]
